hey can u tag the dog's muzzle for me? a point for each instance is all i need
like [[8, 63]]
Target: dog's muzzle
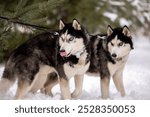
[[63, 53], [114, 56]]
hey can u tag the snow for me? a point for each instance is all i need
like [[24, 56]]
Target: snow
[[111, 16], [117, 3], [136, 79], [123, 22], [142, 10]]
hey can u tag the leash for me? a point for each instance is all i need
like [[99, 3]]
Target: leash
[[25, 24]]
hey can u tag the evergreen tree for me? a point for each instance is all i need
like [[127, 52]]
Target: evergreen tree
[[27, 11], [94, 14]]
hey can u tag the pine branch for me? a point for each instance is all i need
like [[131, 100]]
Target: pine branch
[[24, 24]]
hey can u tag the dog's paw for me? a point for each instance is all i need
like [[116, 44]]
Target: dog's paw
[[46, 92], [75, 94]]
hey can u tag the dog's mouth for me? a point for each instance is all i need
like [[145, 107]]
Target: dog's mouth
[[117, 59], [64, 54]]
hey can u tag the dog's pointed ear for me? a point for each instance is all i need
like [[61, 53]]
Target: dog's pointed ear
[[61, 24], [126, 31], [109, 30], [76, 25]]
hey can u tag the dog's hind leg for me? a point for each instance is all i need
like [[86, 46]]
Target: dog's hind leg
[[118, 81], [52, 80], [105, 87], [48, 88], [78, 85], [23, 88], [45, 79], [105, 80], [6, 81], [5, 85]]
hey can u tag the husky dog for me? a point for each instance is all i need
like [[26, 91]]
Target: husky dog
[[73, 46], [109, 56], [47, 57]]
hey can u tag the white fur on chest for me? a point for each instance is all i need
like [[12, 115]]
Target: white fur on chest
[[76, 70], [113, 68]]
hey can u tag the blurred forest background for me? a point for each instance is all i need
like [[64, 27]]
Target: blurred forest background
[[95, 15]]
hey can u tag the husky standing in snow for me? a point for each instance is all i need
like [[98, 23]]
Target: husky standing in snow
[[48, 57], [109, 56]]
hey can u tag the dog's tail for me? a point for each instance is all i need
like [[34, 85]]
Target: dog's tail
[[6, 81]]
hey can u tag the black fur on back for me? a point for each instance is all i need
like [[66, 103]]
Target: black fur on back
[[99, 56], [27, 58]]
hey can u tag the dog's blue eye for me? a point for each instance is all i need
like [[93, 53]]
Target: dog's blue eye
[[120, 44], [71, 38]]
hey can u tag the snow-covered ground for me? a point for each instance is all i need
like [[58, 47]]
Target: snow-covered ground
[[136, 79]]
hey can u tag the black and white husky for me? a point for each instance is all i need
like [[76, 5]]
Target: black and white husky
[[47, 57], [109, 56]]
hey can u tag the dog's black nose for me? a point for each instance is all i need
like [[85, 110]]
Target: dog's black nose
[[62, 50], [114, 55]]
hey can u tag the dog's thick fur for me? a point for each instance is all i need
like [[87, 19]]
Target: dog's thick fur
[[109, 56], [40, 61]]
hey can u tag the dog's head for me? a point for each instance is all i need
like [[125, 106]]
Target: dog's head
[[72, 39], [119, 42]]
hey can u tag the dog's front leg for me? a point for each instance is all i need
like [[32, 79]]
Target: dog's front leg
[[64, 87], [78, 85], [118, 81]]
